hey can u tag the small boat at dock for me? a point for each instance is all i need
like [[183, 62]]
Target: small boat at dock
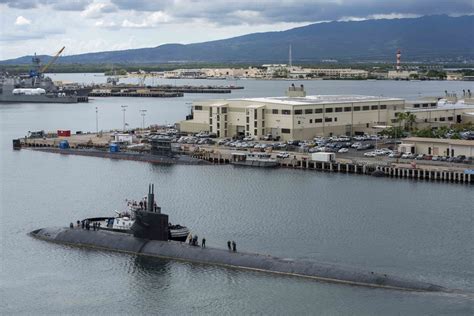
[[254, 159], [123, 221]]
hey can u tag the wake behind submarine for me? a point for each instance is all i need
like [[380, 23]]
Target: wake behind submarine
[[149, 236]]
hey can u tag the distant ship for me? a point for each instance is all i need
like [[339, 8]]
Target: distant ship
[[34, 87]]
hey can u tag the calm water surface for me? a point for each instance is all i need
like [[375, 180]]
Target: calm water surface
[[411, 229]]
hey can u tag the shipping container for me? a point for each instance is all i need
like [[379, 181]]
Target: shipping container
[[64, 133]]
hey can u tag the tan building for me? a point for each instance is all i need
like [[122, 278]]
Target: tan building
[[440, 115], [294, 116], [402, 74], [438, 147]]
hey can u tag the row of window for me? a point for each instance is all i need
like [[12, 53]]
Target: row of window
[[331, 110], [320, 120]]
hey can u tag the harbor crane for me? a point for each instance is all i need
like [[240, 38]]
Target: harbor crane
[[52, 61]]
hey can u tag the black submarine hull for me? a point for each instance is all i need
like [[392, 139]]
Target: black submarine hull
[[113, 241]]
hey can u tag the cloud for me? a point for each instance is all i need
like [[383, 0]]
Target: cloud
[[151, 20], [97, 10], [21, 21], [295, 11], [60, 5]]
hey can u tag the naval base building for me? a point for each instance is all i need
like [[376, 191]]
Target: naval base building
[[298, 116]]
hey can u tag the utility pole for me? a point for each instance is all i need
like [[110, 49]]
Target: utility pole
[[124, 108], [143, 113], [97, 120]]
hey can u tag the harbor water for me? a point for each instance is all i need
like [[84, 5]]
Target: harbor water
[[421, 230]]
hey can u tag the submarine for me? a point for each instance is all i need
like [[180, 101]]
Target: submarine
[[150, 237]]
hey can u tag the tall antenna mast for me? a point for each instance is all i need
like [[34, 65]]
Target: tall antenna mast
[[289, 57]]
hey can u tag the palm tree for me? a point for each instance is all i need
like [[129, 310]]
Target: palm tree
[[410, 119]]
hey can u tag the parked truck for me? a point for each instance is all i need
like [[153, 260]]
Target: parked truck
[[323, 157]]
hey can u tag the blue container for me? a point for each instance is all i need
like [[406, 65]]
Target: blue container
[[63, 144], [114, 148]]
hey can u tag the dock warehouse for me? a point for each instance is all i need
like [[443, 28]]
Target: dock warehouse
[[297, 116], [294, 116], [438, 146]]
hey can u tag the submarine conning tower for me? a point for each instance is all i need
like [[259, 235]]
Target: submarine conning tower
[[150, 223]]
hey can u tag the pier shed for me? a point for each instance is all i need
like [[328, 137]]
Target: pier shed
[[437, 146]]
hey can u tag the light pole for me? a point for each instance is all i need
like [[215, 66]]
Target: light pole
[[143, 113], [97, 120], [124, 108]]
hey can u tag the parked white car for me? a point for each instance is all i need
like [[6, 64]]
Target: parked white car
[[283, 154], [343, 150]]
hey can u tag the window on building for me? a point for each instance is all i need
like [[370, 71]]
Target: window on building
[[356, 108], [218, 134], [365, 108], [263, 112], [218, 117], [375, 107], [383, 107], [263, 132], [310, 121], [263, 123], [218, 110], [255, 114], [436, 119], [318, 120], [225, 125], [442, 119], [338, 109], [328, 119], [299, 122], [425, 105], [198, 107], [308, 111], [335, 119], [225, 117], [328, 110], [347, 109], [247, 128], [210, 121], [285, 131], [218, 125], [210, 129], [416, 105], [224, 110], [274, 111], [255, 124], [297, 112], [248, 120], [367, 125], [318, 111], [450, 118], [286, 112], [255, 132]]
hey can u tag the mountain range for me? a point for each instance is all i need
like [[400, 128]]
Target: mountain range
[[428, 38]]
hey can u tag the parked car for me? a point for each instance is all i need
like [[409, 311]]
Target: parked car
[[420, 157], [343, 150], [408, 156], [395, 155], [283, 154], [370, 154], [435, 158]]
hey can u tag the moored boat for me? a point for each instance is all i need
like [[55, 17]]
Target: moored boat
[[251, 159], [123, 222]]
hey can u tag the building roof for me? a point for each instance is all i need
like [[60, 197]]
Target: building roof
[[461, 142], [441, 107], [319, 99]]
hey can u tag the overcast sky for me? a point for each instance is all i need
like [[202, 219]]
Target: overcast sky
[[44, 26]]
